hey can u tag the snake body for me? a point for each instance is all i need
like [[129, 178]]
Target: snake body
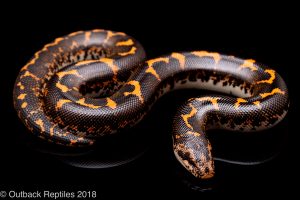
[[93, 83]]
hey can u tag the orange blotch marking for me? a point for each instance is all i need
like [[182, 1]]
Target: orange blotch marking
[[177, 136], [41, 124], [82, 102], [74, 45], [22, 96], [215, 56], [62, 87], [213, 100], [110, 63], [186, 117], [71, 72], [37, 54], [111, 34], [111, 103], [98, 30], [128, 42], [150, 66], [32, 61], [75, 33], [180, 58], [151, 70], [24, 105], [274, 91], [152, 61], [193, 133], [137, 90], [33, 112], [87, 36], [51, 131], [248, 64], [239, 101], [20, 86], [73, 142], [35, 91], [29, 74], [130, 52], [271, 79], [257, 103], [75, 89], [56, 41], [61, 102], [84, 62]]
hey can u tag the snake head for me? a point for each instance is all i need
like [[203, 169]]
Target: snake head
[[197, 160]]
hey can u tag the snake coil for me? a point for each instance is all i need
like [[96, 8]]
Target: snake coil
[[93, 83]]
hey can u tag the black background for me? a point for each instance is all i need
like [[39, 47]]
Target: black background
[[266, 34]]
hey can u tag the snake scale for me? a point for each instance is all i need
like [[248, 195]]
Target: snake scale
[[93, 83]]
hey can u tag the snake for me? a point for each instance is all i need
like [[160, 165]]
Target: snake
[[91, 84]]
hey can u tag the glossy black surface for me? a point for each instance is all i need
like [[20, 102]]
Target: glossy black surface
[[156, 170]]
